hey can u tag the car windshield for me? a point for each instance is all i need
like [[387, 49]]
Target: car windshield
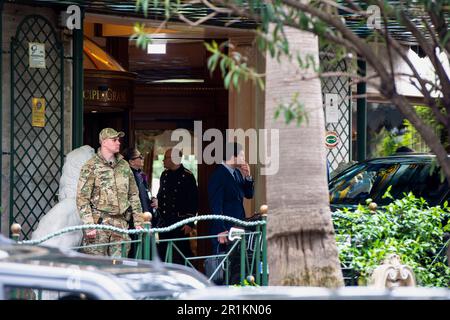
[[371, 180]]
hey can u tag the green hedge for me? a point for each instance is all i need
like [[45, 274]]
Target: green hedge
[[408, 227]]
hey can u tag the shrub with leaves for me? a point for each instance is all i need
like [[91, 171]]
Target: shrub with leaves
[[408, 227]]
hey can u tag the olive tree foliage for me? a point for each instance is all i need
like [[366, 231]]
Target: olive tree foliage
[[426, 21]]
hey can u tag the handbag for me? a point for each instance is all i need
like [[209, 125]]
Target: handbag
[[211, 264]]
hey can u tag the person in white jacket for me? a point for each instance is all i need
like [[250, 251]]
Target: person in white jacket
[[65, 213]]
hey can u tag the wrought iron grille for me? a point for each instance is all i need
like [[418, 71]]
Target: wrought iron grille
[[36, 152], [339, 85]]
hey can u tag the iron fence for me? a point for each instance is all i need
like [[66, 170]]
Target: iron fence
[[252, 244]]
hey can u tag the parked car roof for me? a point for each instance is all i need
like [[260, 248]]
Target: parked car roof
[[125, 278], [371, 178], [317, 293]]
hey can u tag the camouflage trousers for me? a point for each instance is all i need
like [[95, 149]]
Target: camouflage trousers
[[95, 247]]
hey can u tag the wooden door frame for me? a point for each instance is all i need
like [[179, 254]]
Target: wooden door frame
[[213, 114]]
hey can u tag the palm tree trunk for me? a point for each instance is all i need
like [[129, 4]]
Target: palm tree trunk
[[301, 242]]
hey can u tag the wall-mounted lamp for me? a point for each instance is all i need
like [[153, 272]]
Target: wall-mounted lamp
[[156, 48]]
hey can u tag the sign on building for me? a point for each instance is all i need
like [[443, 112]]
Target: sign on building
[[331, 107], [331, 139], [36, 53], [38, 112]]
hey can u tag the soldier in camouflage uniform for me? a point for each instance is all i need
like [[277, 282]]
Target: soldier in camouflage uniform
[[107, 194]]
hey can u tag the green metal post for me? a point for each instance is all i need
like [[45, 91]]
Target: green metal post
[[11, 128], [265, 278], [1, 92], [361, 112], [243, 250], [61, 97], [123, 250], [169, 253], [258, 256], [143, 246], [227, 270], [77, 100], [153, 246], [147, 241], [16, 237], [139, 247]]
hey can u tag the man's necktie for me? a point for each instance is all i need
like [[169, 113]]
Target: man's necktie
[[236, 176], [144, 177]]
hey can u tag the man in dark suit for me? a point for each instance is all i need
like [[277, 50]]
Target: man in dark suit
[[229, 184], [177, 200]]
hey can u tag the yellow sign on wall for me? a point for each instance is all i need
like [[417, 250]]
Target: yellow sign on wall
[[38, 112]]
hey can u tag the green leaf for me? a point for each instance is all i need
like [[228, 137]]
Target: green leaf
[[227, 80], [277, 113], [223, 67], [236, 80], [304, 21], [288, 116]]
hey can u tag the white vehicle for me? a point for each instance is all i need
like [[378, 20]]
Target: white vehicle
[[37, 272]]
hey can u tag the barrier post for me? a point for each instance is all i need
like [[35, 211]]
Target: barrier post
[[243, 258], [153, 243], [263, 209], [169, 252], [147, 243], [15, 231], [258, 256], [139, 247], [123, 250]]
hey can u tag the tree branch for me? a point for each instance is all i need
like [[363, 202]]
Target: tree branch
[[358, 43], [426, 94], [425, 131], [215, 8], [354, 6], [440, 25], [381, 6], [431, 53], [323, 75]]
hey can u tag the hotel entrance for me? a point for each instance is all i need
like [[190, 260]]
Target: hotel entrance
[[149, 95], [152, 129]]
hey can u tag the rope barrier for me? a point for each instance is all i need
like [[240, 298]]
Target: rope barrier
[[138, 231]]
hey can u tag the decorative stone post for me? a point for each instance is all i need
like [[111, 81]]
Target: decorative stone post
[[147, 216], [392, 274]]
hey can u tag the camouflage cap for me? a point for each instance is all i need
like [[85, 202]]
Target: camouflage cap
[[110, 133]]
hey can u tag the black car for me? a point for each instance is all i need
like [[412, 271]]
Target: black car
[[370, 179], [416, 173]]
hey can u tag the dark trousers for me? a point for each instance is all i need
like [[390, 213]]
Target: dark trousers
[[133, 246], [183, 245]]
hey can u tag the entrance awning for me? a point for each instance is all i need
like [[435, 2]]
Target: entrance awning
[[108, 86], [193, 12]]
